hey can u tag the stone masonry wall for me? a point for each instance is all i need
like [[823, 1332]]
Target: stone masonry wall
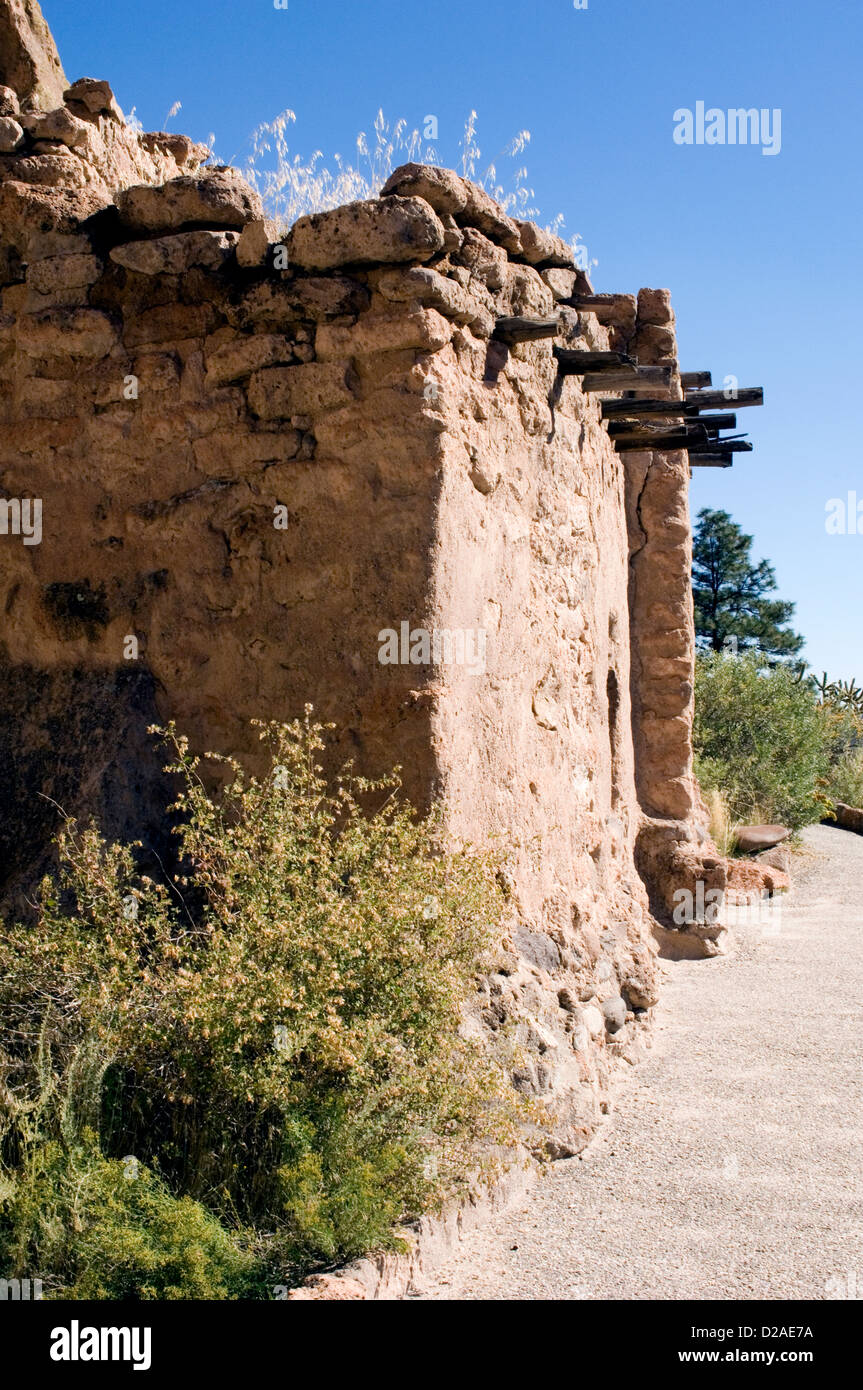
[[254, 457]]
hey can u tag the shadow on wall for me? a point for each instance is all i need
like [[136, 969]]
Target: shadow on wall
[[76, 739]]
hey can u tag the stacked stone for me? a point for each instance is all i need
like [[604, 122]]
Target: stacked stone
[[60, 165], [173, 373]]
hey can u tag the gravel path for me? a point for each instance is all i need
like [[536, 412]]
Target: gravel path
[[730, 1167]]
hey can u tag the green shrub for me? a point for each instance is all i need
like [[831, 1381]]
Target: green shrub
[[846, 778], [278, 1032], [761, 739], [115, 1232]]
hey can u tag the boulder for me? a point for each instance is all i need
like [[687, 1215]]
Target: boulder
[[364, 233], [214, 198], [753, 838], [233, 361], [53, 273], [52, 166], [172, 255], [486, 261], [483, 212], [8, 102]]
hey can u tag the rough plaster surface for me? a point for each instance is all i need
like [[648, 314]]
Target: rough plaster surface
[[247, 474]]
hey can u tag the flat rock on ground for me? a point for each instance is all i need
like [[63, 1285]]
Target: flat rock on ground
[[730, 1167]]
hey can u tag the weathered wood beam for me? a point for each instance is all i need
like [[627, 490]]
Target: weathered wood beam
[[710, 461], [724, 446], [579, 361], [667, 441], [627, 379], [689, 380], [652, 429], [670, 409], [525, 330], [717, 422], [595, 303], [715, 400]]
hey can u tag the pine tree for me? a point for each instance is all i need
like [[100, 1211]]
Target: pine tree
[[730, 592]]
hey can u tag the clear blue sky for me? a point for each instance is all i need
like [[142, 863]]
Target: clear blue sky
[[762, 253]]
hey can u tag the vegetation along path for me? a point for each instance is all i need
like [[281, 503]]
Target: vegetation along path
[[730, 1167]]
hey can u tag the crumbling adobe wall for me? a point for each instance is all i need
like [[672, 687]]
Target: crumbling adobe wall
[[249, 471]]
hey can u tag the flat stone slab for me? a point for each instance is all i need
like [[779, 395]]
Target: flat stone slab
[[752, 838]]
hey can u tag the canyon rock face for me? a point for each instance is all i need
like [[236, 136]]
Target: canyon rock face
[[271, 473]]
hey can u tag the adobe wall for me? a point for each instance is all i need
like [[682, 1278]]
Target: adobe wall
[[253, 471]]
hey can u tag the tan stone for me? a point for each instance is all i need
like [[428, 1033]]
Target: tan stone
[[63, 272], [215, 198], [95, 96], [379, 230], [283, 392], [560, 282], [57, 125], [543, 248], [483, 212], [226, 450], [469, 204], [72, 332], [156, 371], [486, 261], [425, 285], [527, 294], [58, 168], [9, 105], [423, 329], [441, 188], [179, 148], [173, 255], [169, 323], [654, 306], [329, 1287], [47, 245], [238, 359], [255, 241], [275, 304], [29, 61], [11, 135]]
